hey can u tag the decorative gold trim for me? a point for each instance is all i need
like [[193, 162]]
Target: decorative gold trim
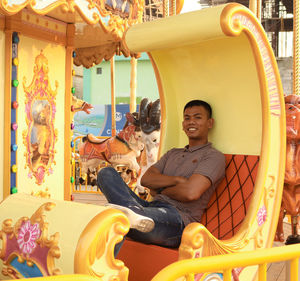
[[91, 12], [91, 56], [40, 108], [261, 220], [102, 234], [42, 193], [2, 22], [235, 19], [10, 231], [44, 23]]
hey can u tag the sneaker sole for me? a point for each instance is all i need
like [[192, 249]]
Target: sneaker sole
[[138, 222]]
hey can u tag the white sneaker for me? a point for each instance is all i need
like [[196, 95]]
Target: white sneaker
[[138, 222]]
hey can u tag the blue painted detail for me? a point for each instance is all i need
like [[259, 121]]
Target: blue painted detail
[[74, 54], [72, 144], [14, 147], [214, 277], [15, 38], [121, 110], [25, 270], [14, 72], [14, 51]]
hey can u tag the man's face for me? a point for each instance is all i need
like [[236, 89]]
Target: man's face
[[196, 122]]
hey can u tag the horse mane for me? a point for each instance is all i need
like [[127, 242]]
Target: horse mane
[[127, 132]]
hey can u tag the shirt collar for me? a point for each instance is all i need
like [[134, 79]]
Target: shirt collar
[[194, 148]]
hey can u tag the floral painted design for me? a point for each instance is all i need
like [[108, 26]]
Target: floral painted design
[[27, 237], [261, 215]]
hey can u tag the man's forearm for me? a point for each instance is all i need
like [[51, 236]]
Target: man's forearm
[[177, 192], [157, 181]]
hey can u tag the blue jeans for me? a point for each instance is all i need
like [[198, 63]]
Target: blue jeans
[[168, 222]]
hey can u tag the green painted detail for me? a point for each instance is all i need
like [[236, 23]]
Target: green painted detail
[[15, 83]]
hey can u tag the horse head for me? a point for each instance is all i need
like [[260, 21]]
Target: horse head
[[292, 106], [149, 118], [132, 133], [292, 169]]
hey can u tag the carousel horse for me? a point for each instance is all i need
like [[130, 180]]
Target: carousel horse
[[291, 191], [148, 121], [121, 149]]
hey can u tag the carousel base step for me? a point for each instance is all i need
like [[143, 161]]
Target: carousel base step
[[89, 198]]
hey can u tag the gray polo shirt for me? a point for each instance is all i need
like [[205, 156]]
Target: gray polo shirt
[[204, 160]]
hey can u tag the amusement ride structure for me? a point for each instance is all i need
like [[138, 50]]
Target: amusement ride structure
[[219, 54]]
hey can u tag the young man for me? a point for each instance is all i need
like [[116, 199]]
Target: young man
[[182, 182]]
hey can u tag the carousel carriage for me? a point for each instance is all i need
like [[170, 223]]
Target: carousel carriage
[[220, 55]]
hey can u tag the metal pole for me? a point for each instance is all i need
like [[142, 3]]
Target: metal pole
[[258, 10], [133, 64], [166, 8], [296, 63], [113, 98], [255, 7], [174, 7]]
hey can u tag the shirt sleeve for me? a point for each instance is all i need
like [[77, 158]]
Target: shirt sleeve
[[160, 164], [212, 166]]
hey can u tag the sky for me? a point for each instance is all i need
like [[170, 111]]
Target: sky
[[190, 5]]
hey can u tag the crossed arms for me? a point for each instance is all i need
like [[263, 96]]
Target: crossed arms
[[177, 188]]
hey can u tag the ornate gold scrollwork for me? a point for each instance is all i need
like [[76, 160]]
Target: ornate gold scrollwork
[[101, 235], [28, 241], [40, 136]]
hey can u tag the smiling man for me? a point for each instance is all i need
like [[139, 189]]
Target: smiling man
[[181, 182]]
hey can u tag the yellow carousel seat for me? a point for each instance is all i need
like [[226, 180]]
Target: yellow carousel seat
[[44, 237], [223, 218], [221, 55]]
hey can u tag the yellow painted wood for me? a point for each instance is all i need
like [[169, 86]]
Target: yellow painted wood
[[67, 115], [227, 274], [7, 113], [262, 272], [296, 47], [294, 269], [84, 245]]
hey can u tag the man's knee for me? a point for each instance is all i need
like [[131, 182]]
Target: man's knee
[[105, 173]]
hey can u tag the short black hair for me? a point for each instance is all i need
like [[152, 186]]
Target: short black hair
[[202, 103]]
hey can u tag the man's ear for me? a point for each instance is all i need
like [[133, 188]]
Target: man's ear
[[211, 122]]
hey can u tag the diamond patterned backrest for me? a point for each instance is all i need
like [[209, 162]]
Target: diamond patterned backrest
[[228, 206]]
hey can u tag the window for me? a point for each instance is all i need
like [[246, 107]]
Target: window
[[99, 70]]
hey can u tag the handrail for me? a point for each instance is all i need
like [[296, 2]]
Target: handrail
[[225, 263]]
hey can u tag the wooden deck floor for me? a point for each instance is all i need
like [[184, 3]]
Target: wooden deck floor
[[275, 272]]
